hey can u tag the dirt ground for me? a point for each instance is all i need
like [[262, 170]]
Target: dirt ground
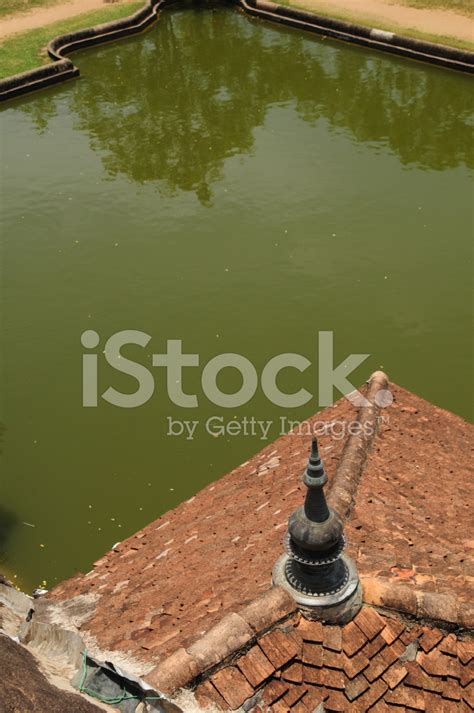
[[43, 16], [373, 12], [23, 688], [378, 12]]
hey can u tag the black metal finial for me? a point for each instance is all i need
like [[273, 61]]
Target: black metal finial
[[315, 479], [315, 540]]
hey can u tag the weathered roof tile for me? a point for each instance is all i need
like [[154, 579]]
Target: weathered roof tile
[[468, 695], [293, 673], [356, 664], [451, 689], [352, 639], [380, 664], [208, 696], [333, 659], [255, 666], [356, 687], [332, 678], [465, 650], [391, 631], [233, 686], [409, 697], [311, 630], [278, 647], [437, 664], [312, 654], [294, 695], [430, 639], [313, 675], [332, 637], [274, 690], [336, 701], [373, 647], [369, 698], [369, 622], [395, 674], [466, 673], [449, 645]]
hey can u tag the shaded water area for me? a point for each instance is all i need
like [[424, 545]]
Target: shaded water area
[[238, 186]]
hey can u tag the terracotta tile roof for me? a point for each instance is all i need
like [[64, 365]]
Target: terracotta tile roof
[[376, 663], [410, 542]]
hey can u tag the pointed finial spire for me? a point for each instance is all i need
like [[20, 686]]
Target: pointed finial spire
[[315, 479], [315, 569]]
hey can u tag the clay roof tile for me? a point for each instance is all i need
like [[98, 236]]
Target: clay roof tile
[[369, 622], [279, 647], [352, 639], [332, 637], [255, 666], [233, 686], [430, 639], [356, 687]]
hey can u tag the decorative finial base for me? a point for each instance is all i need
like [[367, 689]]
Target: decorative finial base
[[337, 607]]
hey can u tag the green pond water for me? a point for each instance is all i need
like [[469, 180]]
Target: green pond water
[[239, 186]]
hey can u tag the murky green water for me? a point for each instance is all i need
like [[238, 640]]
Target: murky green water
[[238, 186]]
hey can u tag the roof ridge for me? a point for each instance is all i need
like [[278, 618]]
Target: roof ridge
[[344, 484], [404, 598]]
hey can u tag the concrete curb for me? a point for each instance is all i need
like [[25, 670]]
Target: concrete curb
[[63, 69]]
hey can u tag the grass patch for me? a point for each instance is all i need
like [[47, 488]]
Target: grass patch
[[322, 9], [27, 50]]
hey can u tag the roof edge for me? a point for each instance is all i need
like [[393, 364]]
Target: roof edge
[[230, 635]]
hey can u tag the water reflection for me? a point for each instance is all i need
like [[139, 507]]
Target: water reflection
[[172, 105]]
